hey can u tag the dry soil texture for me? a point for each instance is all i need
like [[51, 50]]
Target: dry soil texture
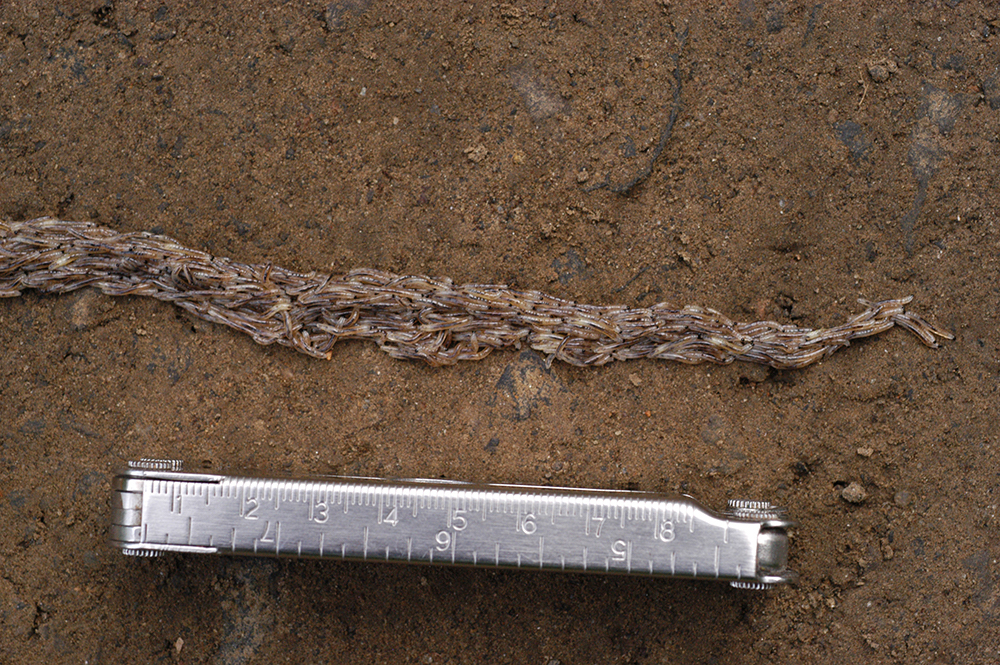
[[811, 154]]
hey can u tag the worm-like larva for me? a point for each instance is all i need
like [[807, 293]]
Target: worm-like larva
[[409, 316]]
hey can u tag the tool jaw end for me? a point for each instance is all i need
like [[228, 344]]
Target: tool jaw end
[[772, 543], [743, 509], [149, 464], [126, 510]]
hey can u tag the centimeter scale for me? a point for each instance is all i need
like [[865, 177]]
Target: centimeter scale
[[159, 508]]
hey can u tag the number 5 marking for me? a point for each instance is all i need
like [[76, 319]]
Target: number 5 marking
[[620, 550]]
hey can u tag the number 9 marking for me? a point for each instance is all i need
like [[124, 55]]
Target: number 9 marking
[[443, 540]]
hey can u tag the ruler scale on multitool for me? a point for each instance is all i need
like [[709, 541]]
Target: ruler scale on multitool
[[159, 508]]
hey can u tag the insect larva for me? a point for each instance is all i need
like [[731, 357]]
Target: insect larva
[[409, 316]]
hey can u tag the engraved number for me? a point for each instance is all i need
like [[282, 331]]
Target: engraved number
[[319, 512], [666, 531], [249, 508], [458, 522], [527, 524], [266, 537], [443, 540], [600, 522], [392, 518], [619, 549]]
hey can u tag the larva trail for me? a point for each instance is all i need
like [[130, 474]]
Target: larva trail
[[409, 316]]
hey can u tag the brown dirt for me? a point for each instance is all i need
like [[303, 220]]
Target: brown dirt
[[820, 154]]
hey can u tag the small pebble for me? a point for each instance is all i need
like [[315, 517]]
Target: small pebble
[[853, 493], [842, 577], [881, 70], [866, 452], [476, 153], [902, 498], [879, 73]]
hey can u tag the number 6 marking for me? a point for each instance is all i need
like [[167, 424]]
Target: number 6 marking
[[527, 524]]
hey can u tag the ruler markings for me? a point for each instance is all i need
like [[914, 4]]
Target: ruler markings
[[553, 518]]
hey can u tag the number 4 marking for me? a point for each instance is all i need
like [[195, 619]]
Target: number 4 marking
[[392, 518]]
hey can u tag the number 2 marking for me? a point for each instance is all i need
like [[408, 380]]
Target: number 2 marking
[[250, 507]]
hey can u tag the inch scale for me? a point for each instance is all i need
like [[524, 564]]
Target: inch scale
[[159, 508]]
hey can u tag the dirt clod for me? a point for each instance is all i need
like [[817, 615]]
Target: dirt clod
[[853, 493]]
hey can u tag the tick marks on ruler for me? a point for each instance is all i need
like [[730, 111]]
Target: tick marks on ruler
[[630, 534]]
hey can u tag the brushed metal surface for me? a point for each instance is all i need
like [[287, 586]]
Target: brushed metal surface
[[453, 523]]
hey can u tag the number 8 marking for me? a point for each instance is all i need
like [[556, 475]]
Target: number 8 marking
[[666, 531]]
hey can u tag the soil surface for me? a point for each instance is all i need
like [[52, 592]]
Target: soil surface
[[768, 159]]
